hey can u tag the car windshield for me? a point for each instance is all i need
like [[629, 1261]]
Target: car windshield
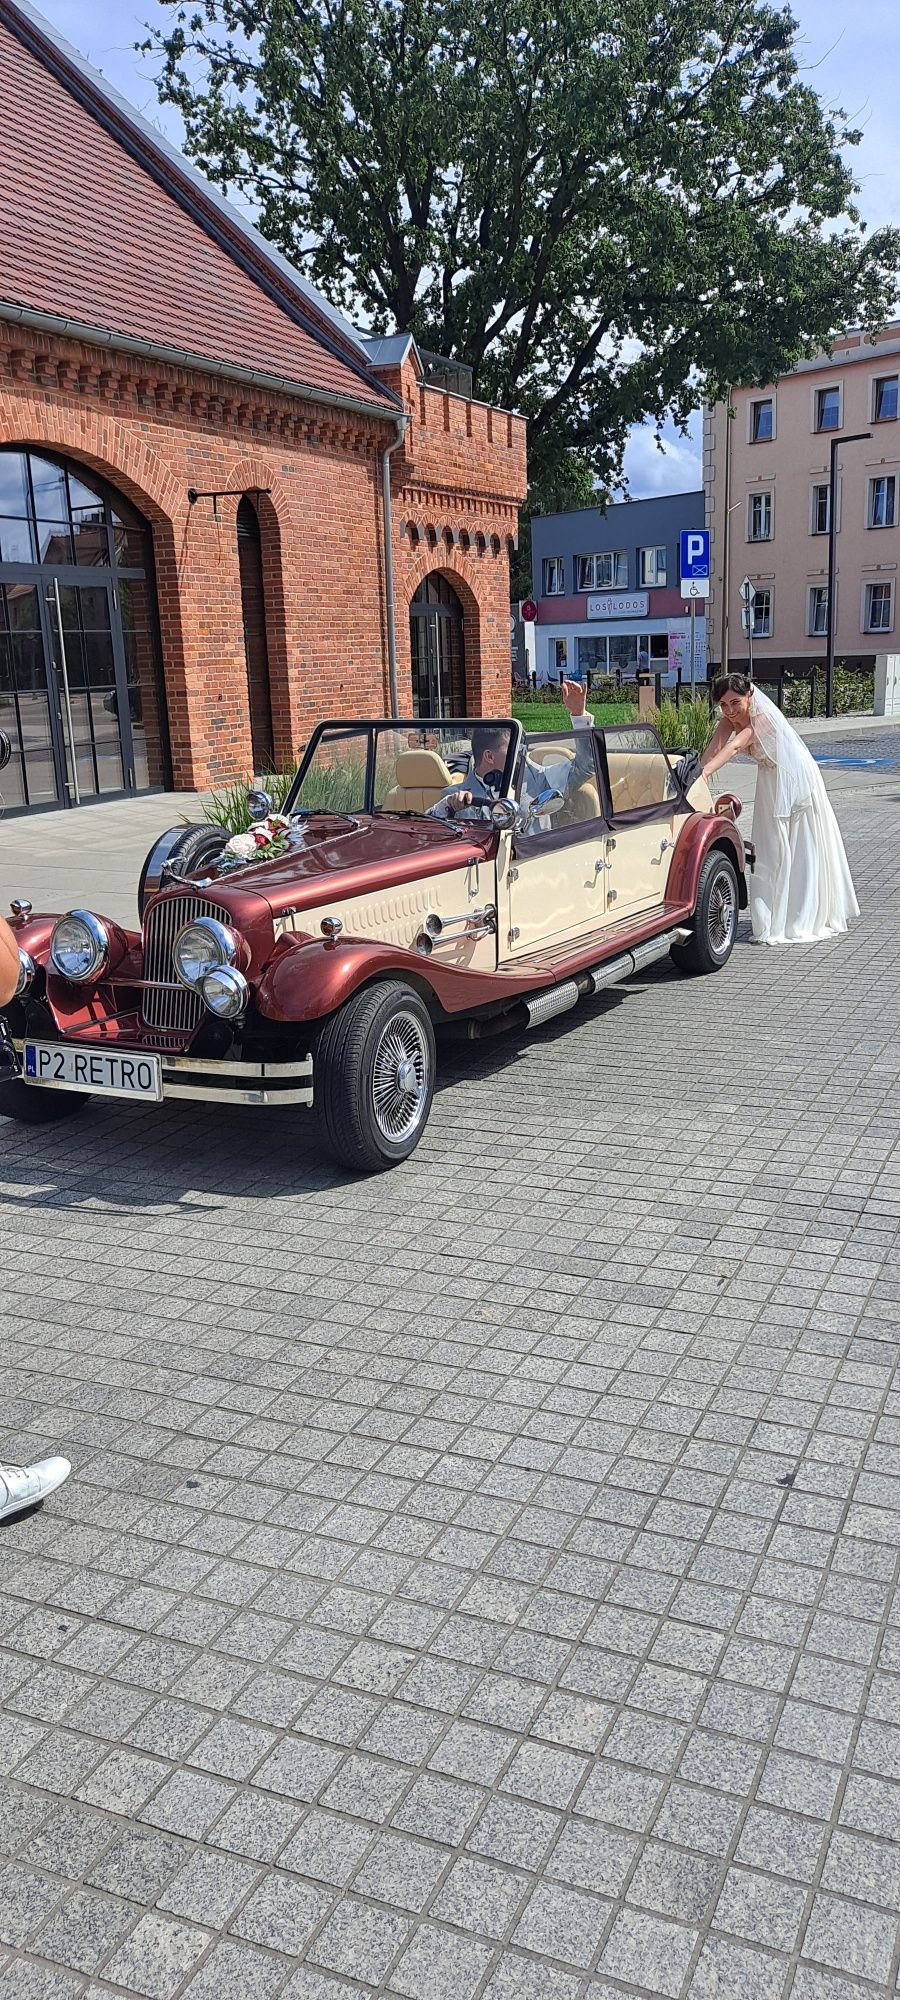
[[403, 767]]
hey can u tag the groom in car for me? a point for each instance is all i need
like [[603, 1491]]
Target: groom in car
[[490, 746]]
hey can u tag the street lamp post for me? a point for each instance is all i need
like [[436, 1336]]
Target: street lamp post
[[855, 437]]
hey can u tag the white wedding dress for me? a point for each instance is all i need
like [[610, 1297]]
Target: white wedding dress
[[801, 888]]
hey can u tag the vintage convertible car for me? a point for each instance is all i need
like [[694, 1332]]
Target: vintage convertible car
[[310, 961]]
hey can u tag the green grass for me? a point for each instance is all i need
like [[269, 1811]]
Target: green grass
[[538, 716]]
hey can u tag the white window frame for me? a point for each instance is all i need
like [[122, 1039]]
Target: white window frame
[[824, 389], [819, 486], [660, 570], [761, 493], [590, 578], [876, 583], [762, 590], [878, 479], [814, 631], [548, 563], [873, 399], [753, 405]]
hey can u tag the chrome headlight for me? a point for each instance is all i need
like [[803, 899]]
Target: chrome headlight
[[79, 947], [226, 992], [200, 948], [26, 972]]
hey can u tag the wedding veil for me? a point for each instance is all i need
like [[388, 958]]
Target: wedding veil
[[796, 772]]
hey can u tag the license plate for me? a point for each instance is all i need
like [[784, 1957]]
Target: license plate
[[55, 1067]]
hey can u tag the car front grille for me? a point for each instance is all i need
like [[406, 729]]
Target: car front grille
[[169, 1008]]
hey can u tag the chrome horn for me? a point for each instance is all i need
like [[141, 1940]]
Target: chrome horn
[[479, 923]]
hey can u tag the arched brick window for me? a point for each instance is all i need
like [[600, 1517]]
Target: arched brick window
[[253, 610]]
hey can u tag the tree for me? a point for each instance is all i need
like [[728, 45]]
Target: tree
[[605, 209]]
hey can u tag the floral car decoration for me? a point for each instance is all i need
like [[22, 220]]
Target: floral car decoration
[[424, 876]]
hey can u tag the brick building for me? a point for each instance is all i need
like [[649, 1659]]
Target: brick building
[[223, 512]]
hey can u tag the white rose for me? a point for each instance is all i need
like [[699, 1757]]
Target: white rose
[[243, 846]]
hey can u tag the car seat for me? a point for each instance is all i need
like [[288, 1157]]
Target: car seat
[[420, 778]]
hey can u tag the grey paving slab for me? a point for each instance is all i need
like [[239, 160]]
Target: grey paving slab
[[471, 1582]]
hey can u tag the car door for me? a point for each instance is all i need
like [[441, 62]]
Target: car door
[[556, 881], [645, 811]]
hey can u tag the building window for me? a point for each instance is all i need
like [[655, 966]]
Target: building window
[[817, 619], [762, 421], [884, 399], [554, 581], [828, 409], [883, 501], [819, 510], [592, 658], [761, 614], [759, 517], [879, 609], [652, 567], [606, 571]]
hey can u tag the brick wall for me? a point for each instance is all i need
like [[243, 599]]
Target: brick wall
[[155, 431]]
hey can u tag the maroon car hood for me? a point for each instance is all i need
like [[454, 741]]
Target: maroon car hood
[[335, 859]]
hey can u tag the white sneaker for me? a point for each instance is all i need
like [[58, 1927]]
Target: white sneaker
[[24, 1486]]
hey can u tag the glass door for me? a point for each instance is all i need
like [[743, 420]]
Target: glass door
[[28, 715], [89, 681]]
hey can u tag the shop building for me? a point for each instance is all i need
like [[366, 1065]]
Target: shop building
[[223, 512], [606, 588], [767, 478]]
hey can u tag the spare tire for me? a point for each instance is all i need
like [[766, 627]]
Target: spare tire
[[179, 854]]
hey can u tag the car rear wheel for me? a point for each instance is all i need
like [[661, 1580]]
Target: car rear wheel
[[30, 1105], [715, 918], [374, 1071], [182, 851]]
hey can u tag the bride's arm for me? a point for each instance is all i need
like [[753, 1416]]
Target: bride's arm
[[716, 742], [721, 751]]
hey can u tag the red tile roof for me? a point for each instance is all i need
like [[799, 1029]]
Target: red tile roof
[[100, 225]]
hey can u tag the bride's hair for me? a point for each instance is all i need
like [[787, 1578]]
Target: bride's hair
[[730, 684]]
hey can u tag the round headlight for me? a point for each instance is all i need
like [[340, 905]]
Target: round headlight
[[26, 972], [200, 948], [79, 947], [226, 992]]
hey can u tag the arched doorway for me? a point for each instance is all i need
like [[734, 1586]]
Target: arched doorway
[[253, 612], [81, 695], [437, 644]]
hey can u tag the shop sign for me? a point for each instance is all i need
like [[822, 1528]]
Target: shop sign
[[619, 604]]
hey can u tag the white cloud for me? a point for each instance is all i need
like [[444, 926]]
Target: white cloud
[[674, 469]]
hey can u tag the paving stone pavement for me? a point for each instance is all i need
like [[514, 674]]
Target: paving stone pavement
[[480, 1582]]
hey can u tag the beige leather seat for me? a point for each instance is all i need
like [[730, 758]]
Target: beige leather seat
[[420, 776], [638, 779]]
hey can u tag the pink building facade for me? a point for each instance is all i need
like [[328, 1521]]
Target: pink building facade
[[766, 474]]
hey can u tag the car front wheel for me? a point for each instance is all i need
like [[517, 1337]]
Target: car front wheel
[[715, 918], [375, 1066]]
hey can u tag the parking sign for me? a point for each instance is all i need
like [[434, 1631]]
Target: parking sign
[[694, 562]]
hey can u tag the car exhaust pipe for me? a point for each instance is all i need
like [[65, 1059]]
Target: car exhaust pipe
[[560, 999]]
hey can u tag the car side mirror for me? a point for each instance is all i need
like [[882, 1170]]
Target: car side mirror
[[542, 807], [259, 804], [504, 815]]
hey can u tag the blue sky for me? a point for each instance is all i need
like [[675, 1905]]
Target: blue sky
[[851, 57]]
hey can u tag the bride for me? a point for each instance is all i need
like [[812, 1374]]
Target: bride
[[801, 888]]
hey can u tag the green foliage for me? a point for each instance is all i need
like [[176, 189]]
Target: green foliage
[[685, 726], [552, 715], [853, 692], [229, 808], [606, 212]]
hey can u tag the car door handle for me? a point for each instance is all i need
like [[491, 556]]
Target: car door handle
[[600, 865], [664, 844]]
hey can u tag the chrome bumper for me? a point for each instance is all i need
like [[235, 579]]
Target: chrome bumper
[[212, 1082], [238, 1082]]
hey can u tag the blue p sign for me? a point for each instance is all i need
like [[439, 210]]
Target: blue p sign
[[694, 553]]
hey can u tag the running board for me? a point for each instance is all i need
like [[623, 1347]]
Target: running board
[[559, 999]]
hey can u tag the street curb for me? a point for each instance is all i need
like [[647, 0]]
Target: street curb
[[844, 725]]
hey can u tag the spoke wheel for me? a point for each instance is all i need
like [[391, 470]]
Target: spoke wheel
[[715, 918], [373, 1077], [400, 1078]]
